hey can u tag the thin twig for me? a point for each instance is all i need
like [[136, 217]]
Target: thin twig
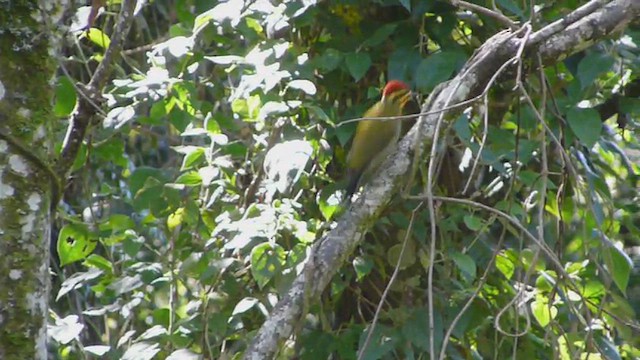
[[396, 270], [513, 221], [430, 196], [517, 58], [274, 136], [486, 12], [524, 41], [80, 120], [473, 296]]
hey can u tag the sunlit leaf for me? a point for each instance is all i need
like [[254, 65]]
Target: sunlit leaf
[[266, 262], [97, 37], [75, 243], [543, 312], [505, 265]]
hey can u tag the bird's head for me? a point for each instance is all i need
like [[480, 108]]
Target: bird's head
[[396, 94]]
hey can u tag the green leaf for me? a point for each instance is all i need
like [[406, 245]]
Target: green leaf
[[304, 85], [436, 69], [66, 97], [512, 7], [66, 330], [97, 261], [619, 266], [319, 113], [591, 66], [380, 35], [156, 116], [465, 263], [474, 223], [358, 64], [527, 256], [180, 119], [362, 266], [329, 60], [254, 25], [505, 265], [193, 157], [593, 290], [139, 177], [266, 261], [345, 132], [461, 127], [78, 280], [543, 312], [408, 257], [175, 219], [191, 178], [630, 105], [406, 4], [607, 347], [284, 164], [97, 37], [416, 328], [112, 151], [120, 222], [382, 343], [151, 197], [545, 282], [132, 244], [585, 123], [328, 201], [74, 243], [126, 284], [403, 62]]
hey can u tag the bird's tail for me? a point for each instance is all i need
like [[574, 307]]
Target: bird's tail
[[353, 178]]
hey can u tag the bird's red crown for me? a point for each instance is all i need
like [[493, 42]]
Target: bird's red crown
[[393, 86]]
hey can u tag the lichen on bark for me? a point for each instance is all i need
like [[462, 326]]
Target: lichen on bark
[[25, 110]]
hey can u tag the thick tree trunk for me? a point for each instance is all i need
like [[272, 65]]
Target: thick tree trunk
[[26, 184]]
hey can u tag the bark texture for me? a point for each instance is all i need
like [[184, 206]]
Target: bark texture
[[26, 184]]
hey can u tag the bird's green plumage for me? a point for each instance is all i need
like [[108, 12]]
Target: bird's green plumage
[[374, 139]]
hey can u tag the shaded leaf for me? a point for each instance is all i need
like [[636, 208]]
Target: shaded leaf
[[586, 124], [66, 97], [592, 65], [358, 64]]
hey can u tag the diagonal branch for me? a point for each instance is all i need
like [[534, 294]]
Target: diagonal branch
[[330, 252], [80, 120]]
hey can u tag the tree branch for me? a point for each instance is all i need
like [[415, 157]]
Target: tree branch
[[486, 12], [80, 120], [330, 252]]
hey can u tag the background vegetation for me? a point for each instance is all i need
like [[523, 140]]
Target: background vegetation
[[217, 160]]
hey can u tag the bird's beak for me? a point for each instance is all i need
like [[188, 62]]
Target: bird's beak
[[406, 98]]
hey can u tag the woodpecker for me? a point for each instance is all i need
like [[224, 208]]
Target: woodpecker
[[374, 139]]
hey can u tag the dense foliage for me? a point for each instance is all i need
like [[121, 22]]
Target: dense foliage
[[218, 161]]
